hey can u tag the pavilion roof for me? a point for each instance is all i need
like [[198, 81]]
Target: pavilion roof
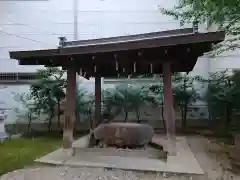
[[133, 54]]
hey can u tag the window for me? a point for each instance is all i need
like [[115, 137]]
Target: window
[[18, 76], [7, 76], [27, 76]]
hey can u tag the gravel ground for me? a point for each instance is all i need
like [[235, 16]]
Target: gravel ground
[[71, 173], [67, 173], [211, 164]]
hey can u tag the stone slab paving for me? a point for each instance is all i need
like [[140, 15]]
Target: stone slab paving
[[183, 162], [57, 157], [139, 153], [211, 163], [81, 142]]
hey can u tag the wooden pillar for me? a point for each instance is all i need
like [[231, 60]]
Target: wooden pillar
[[70, 106], [98, 90], [169, 113]]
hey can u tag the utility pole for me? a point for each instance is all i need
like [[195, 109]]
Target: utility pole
[[75, 19], [75, 25]]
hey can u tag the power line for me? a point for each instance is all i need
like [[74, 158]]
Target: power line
[[108, 23], [40, 29], [1, 47], [104, 11], [98, 11], [43, 30], [41, 34], [65, 34], [10, 34]]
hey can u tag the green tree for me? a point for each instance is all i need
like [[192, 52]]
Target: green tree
[[85, 104], [48, 92], [184, 94], [183, 91], [112, 103], [225, 14], [41, 92], [155, 97], [137, 98], [55, 77], [29, 110], [131, 98], [123, 98], [222, 97]]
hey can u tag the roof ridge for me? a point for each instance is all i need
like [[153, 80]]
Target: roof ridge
[[130, 37]]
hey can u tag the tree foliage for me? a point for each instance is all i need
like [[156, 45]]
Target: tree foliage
[[85, 104], [47, 95], [223, 97], [28, 111], [224, 14], [156, 98], [123, 98], [184, 94], [113, 102], [48, 92]]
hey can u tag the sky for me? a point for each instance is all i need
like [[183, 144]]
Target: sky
[[36, 24]]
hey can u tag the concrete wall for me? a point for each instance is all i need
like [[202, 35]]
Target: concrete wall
[[225, 60], [197, 117], [84, 126], [8, 102]]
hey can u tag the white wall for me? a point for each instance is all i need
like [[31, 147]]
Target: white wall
[[226, 60], [8, 102]]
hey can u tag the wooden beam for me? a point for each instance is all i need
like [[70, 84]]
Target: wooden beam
[[70, 106], [169, 114], [98, 90]]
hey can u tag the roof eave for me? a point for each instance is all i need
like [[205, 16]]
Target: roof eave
[[214, 37]]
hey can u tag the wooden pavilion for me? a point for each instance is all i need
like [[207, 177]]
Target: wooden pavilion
[[151, 53]]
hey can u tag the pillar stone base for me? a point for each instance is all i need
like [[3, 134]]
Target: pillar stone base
[[171, 146], [68, 152], [67, 139]]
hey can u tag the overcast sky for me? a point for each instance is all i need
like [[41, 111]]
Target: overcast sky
[[38, 24]]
